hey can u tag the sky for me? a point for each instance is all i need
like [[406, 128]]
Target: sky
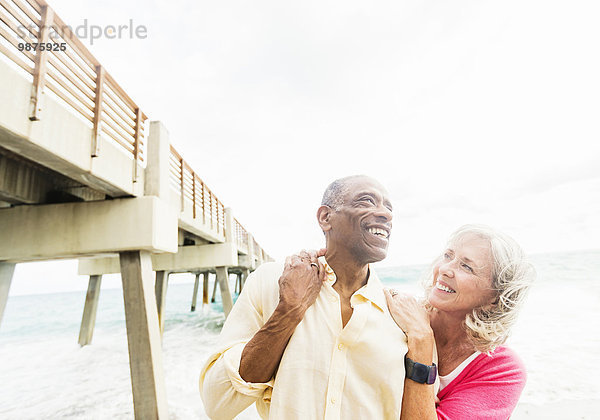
[[467, 111]]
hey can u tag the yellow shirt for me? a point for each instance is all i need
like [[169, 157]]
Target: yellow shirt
[[326, 372]]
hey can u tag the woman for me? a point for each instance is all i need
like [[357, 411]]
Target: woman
[[472, 299]]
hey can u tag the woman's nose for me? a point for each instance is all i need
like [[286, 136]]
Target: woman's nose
[[447, 268]]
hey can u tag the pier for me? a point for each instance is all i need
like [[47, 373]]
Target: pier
[[85, 174]]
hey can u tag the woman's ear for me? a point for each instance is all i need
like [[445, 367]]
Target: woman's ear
[[323, 217]]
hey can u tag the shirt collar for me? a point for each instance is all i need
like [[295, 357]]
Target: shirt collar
[[372, 291]]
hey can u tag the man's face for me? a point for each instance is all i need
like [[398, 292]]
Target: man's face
[[363, 223]]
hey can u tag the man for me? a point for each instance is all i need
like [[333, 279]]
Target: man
[[314, 339]]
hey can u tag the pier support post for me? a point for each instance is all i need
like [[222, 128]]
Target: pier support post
[[195, 295], [160, 290], [143, 336], [238, 283], [205, 288], [214, 293], [6, 274], [223, 279], [88, 320]]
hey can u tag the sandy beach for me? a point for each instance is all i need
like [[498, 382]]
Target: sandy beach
[[564, 410]]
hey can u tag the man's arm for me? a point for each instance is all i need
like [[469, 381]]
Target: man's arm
[[299, 286], [224, 391]]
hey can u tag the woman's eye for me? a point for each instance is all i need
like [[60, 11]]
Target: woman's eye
[[466, 267], [447, 256]]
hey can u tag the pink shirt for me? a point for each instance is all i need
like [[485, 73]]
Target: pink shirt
[[488, 388]]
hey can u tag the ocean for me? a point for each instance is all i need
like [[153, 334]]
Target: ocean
[[45, 374]]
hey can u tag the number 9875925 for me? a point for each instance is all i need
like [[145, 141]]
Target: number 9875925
[[45, 46]]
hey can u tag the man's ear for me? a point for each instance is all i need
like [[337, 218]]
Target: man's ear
[[323, 217]]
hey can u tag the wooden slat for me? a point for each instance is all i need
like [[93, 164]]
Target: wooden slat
[[194, 195], [36, 5], [117, 120], [15, 43], [28, 12], [14, 27], [68, 100], [136, 143], [211, 209], [125, 113], [175, 153], [86, 81], [98, 95], [18, 16], [119, 90], [181, 183], [114, 136], [116, 110], [82, 64], [69, 89], [203, 203], [117, 130], [81, 89], [75, 43], [120, 104], [126, 124], [16, 59]]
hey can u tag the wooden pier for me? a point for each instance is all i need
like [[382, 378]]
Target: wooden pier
[[84, 174]]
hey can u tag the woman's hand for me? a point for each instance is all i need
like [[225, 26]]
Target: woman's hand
[[409, 314], [301, 281]]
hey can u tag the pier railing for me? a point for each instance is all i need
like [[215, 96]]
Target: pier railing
[[241, 235], [194, 192], [38, 41]]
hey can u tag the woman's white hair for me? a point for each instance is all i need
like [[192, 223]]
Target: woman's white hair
[[512, 275]]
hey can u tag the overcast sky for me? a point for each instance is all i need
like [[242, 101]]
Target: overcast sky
[[468, 111]]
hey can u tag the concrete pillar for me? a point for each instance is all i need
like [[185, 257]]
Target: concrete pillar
[[160, 290], [6, 274], [88, 320], [157, 165], [214, 293], [195, 295], [251, 251], [205, 288], [143, 336], [223, 279], [229, 231]]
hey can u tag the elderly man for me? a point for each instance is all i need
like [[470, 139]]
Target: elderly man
[[314, 339]]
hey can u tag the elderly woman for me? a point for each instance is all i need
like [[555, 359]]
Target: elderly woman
[[472, 299]]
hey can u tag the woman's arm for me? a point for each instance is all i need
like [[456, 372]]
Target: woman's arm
[[418, 401]]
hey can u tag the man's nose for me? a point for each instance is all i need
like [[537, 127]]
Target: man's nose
[[384, 213]]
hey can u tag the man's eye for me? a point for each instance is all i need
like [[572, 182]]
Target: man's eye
[[368, 200], [447, 256]]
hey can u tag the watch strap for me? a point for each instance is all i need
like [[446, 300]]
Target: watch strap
[[418, 372]]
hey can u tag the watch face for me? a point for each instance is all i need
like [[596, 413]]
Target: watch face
[[420, 373]]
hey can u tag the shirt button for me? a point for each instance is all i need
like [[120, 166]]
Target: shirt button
[[332, 401], [340, 346]]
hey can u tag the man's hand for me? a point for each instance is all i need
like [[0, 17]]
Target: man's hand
[[299, 286], [301, 281]]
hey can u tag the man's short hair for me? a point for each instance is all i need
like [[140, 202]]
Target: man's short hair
[[334, 193]]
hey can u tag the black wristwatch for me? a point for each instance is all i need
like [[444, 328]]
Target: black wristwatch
[[418, 372]]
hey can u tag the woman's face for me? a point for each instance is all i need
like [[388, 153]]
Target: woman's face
[[463, 277]]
